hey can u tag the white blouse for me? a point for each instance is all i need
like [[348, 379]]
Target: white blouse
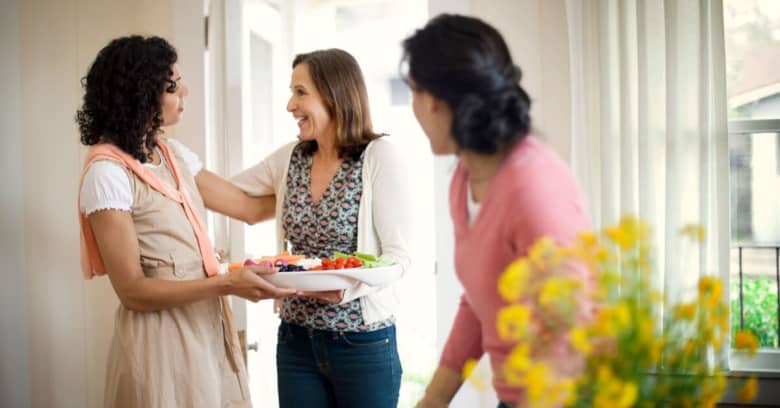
[[472, 206], [106, 185]]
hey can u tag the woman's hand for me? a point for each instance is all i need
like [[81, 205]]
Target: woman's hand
[[333, 297], [442, 389], [246, 283]]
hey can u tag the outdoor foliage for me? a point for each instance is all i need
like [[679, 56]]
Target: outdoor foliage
[[760, 309]]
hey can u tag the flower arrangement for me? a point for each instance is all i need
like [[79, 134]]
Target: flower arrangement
[[588, 328]]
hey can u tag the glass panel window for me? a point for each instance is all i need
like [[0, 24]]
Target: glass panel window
[[752, 37]]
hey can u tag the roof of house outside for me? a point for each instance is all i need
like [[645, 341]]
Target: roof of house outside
[[758, 77]]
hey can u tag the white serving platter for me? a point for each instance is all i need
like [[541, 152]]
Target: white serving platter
[[334, 279]]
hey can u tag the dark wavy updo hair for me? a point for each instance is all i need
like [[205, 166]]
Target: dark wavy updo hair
[[122, 101], [465, 62]]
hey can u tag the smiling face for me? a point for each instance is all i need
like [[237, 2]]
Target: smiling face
[[172, 100], [308, 107], [435, 118]]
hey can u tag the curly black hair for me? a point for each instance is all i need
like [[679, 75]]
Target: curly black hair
[[122, 102], [466, 62]]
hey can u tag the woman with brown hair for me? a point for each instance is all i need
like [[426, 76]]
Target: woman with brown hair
[[340, 187]]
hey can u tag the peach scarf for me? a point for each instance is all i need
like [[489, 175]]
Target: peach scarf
[[91, 261]]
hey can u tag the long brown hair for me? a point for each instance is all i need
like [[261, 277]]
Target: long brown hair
[[339, 80]]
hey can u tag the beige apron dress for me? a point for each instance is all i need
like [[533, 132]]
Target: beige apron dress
[[187, 356]]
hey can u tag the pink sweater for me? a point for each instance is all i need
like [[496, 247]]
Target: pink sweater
[[532, 195]]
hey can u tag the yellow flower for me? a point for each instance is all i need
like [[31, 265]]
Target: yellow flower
[[588, 239], [619, 237], [656, 349], [468, 368], [512, 283], [603, 323], [557, 289], [710, 290], [656, 296], [540, 250], [748, 391], [478, 381], [689, 349], [693, 231], [646, 330], [716, 341], [512, 324], [517, 364], [536, 382], [567, 390], [612, 392], [685, 311], [629, 233], [623, 315], [713, 388], [579, 340], [745, 340], [723, 322], [602, 254], [645, 258], [543, 390], [624, 321], [628, 395]]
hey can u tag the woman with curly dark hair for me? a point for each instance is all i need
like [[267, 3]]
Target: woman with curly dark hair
[[141, 211], [508, 190]]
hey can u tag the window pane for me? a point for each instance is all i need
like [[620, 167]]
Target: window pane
[[752, 39], [755, 234], [752, 34]]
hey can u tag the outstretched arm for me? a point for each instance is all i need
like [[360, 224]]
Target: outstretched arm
[[226, 198]]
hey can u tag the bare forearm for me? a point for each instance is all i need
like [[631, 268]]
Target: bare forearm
[[118, 244], [442, 388], [150, 294]]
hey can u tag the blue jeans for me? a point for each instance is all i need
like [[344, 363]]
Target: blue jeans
[[504, 405], [337, 369]]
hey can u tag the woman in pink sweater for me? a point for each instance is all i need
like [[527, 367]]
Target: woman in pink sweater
[[508, 190]]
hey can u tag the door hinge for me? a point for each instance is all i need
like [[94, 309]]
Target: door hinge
[[206, 32]]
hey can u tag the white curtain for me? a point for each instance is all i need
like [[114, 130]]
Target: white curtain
[[649, 125]]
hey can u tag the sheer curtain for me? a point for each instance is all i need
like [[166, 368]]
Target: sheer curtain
[[649, 126]]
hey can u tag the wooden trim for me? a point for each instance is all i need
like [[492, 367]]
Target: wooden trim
[[242, 342]]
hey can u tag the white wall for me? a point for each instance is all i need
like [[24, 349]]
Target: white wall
[[537, 34], [70, 320], [14, 363], [188, 35]]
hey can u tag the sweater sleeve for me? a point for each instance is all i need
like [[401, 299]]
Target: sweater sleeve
[[390, 211], [465, 339], [264, 177]]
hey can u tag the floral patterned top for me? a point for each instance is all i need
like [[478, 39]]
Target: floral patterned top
[[317, 230]]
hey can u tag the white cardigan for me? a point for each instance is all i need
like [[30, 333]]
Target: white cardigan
[[383, 216]]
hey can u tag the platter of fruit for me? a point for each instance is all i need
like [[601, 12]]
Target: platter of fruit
[[340, 271]]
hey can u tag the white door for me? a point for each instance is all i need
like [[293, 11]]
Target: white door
[[248, 58], [258, 42]]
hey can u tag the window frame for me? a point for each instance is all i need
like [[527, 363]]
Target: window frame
[[766, 361]]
